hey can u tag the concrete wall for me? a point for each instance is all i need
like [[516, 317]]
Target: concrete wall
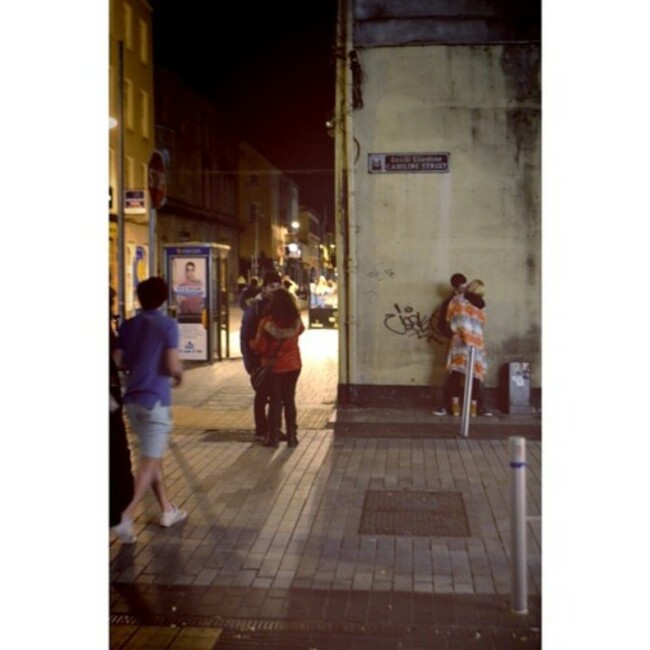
[[480, 103]]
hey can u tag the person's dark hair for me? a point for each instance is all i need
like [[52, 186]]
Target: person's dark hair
[[152, 292], [457, 279], [254, 282], [271, 277], [283, 309], [187, 266]]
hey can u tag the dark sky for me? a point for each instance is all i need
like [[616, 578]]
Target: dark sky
[[271, 66]]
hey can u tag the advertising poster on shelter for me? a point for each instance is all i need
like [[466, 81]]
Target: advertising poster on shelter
[[188, 274]]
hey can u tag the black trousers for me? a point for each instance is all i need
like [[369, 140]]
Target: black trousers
[[262, 395], [454, 388], [120, 487], [283, 393]]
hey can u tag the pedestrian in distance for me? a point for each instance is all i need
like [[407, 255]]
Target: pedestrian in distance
[[249, 292], [147, 349], [256, 309], [466, 315], [120, 486], [277, 343]]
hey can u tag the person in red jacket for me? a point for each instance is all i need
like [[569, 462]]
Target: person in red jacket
[[277, 343]]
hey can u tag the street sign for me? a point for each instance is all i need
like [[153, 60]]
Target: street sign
[[157, 179], [134, 202], [409, 163]]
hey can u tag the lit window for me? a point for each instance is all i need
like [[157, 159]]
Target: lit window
[[128, 26], [111, 166], [128, 104], [129, 171], [144, 102], [144, 42]]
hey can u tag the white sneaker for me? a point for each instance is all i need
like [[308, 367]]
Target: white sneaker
[[172, 517], [124, 530], [440, 411]]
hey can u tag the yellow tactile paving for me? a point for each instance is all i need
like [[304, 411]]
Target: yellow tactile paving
[[197, 418], [154, 637], [196, 638], [188, 417]]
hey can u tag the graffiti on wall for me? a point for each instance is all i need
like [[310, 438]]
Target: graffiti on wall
[[405, 321]]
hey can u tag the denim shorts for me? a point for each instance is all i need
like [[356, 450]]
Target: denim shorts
[[152, 427]]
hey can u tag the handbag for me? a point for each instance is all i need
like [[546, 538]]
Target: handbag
[[260, 375]]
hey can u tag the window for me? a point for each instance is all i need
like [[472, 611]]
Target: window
[[252, 212], [128, 104], [129, 172], [128, 26], [112, 172], [144, 103], [144, 42]]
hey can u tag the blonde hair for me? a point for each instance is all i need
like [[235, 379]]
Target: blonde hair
[[476, 287]]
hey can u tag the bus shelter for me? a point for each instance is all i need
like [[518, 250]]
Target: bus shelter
[[197, 275]]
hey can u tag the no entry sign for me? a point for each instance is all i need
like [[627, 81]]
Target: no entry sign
[[157, 179]]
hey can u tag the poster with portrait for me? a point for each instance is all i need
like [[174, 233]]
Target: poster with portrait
[[189, 288], [188, 275]]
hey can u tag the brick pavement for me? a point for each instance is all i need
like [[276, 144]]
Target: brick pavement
[[271, 554]]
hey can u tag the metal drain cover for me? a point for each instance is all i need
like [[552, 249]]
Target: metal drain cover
[[410, 512], [229, 435]]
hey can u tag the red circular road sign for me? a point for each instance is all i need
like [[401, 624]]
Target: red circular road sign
[[157, 179]]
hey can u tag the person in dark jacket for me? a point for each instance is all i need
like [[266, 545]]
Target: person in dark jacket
[[120, 486], [277, 343], [253, 314]]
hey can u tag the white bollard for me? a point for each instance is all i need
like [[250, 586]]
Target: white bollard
[[467, 397], [518, 572]]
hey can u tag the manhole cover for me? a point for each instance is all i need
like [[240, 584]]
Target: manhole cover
[[229, 435], [409, 512]]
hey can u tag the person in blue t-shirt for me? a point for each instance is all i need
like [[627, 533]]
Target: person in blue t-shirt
[[147, 349]]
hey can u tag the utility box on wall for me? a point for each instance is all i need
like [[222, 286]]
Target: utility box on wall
[[515, 387]]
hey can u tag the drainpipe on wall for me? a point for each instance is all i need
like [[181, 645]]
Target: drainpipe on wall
[[343, 182]]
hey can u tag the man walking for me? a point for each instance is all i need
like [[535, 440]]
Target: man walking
[[147, 349]]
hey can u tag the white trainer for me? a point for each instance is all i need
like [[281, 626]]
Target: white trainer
[[124, 530], [172, 517]]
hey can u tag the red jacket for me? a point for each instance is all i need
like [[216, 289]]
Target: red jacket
[[269, 336]]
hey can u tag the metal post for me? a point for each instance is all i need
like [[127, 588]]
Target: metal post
[[467, 398], [519, 578], [152, 241], [121, 265]]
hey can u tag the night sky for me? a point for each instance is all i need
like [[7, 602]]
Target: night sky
[[271, 66]]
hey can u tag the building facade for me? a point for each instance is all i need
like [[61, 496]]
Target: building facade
[[131, 139], [438, 130], [268, 204], [202, 180]]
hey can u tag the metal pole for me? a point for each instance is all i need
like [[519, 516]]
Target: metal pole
[[257, 244], [519, 578], [121, 266], [152, 241], [467, 398]]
